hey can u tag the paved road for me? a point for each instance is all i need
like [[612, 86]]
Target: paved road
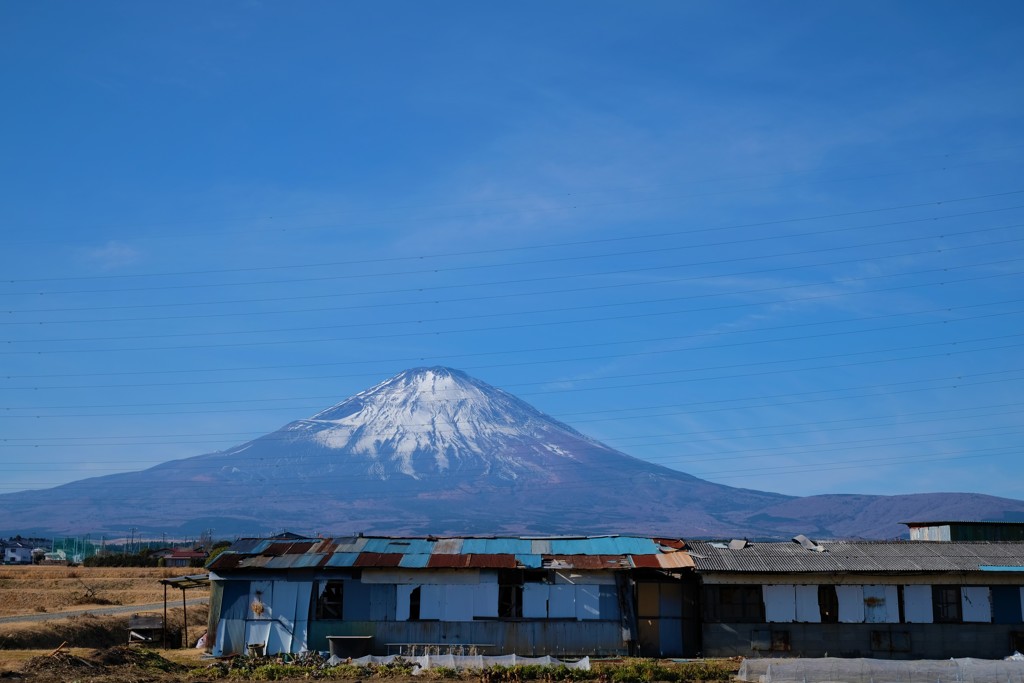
[[119, 609]]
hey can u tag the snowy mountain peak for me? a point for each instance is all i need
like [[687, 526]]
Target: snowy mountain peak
[[432, 420]]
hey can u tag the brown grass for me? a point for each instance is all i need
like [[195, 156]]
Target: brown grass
[[33, 589]]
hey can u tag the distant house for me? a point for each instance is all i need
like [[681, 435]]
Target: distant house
[[904, 600], [180, 557], [561, 596], [15, 552]]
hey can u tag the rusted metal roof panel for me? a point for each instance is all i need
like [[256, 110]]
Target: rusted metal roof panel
[[448, 561], [377, 560], [586, 562], [225, 560], [645, 561], [494, 561], [288, 547], [673, 543]]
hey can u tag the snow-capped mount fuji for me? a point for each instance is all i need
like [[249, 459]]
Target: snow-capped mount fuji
[[431, 423], [435, 451]]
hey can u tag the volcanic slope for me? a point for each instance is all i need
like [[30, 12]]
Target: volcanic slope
[[435, 451]]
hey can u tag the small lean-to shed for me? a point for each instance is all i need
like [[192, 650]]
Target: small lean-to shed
[[467, 595]]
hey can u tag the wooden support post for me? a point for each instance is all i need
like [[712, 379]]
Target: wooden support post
[[165, 616], [184, 615]]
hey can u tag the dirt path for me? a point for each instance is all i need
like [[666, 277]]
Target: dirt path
[[119, 609]]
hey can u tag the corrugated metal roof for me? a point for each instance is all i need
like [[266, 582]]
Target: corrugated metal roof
[[497, 546], [856, 556], [530, 561], [378, 560], [598, 553], [448, 546]]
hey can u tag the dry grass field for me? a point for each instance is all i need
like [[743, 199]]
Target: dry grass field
[[36, 589]]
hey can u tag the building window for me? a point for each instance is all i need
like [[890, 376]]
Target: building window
[[330, 605], [734, 604], [946, 604], [414, 604], [828, 604]]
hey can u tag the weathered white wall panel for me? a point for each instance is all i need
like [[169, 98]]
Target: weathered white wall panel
[[881, 605], [976, 602], [284, 603], [257, 632], [303, 595], [779, 603], [851, 604], [535, 601], [807, 610], [261, 592], [917, 604], [432, 602], [458, 602], [485, 600], [588, 602], [562, 602], [402, 602], [279, 639]]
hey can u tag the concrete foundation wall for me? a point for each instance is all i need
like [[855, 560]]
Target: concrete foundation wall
[[880, 641]]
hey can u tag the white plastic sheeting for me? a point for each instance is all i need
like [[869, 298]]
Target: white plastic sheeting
[[426, 662], [828, 669]]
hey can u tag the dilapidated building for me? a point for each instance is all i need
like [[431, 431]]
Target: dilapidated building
[[897, 599], [529, 596]]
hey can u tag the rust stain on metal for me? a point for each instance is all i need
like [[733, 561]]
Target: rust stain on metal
[[377, 560]]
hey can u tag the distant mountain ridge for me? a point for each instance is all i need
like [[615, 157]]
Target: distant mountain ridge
[[435, 451]]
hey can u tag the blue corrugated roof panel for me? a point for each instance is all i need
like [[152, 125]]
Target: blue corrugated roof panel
[[530, 561], [403, 546], [342, 559], [997, 568], [308, 560], [245, 545], [417, 561], [496, 546], [260, 547], [609, 545]]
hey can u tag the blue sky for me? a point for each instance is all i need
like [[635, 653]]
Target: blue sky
[[774, 245]]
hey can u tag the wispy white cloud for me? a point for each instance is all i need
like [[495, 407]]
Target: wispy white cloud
[[113, 255]]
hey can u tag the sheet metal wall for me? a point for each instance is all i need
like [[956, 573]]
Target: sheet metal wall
[[583, 617]]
